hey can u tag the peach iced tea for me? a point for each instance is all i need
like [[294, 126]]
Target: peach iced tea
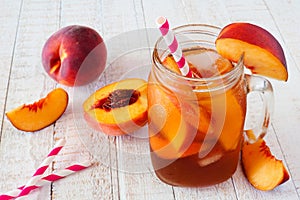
[[196, 125]]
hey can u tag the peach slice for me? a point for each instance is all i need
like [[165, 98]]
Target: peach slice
[[173, 133], [175, 120], [192, 112], [263, 53], [166, 118], [233, 111], [167, 150], [118, 108], [170, 63], [36, 116], [233, 126], [214, 154], [262, 169]]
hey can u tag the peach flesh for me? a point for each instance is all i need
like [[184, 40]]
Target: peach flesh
[[263, 53], [118, 108]]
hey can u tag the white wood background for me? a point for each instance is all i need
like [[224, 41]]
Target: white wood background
[[24, 27]]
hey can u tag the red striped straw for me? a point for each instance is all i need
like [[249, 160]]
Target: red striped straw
[[43, 167], [46, 179], [174, 46]]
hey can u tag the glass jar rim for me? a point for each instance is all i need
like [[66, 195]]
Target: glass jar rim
[[182, 29]]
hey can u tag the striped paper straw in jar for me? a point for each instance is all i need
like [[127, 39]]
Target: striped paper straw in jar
[[174, 47]]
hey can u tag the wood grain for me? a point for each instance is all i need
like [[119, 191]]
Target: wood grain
[[121, 165]]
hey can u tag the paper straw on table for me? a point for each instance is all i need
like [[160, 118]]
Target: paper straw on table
[[46, 179], [43, 167], [174, 47]]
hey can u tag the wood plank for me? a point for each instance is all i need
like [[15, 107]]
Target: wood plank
[[172, 10], [9, 20], [135, 176], [287, 106], [206, 12], [20, 152], [82, 142], [122, 168]]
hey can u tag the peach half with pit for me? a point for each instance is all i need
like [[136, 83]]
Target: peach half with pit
[[74, 55], [118, 108], [40, 114], [262, 169], [263, 54]]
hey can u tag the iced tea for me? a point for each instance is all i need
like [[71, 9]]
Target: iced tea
[[196, 125]]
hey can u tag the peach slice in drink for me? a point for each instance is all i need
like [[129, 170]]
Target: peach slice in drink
[[170, 63], [212, 155], [174, 131], [194, 117], [233, 125], [195, 114], [227, 116], [167, 150]]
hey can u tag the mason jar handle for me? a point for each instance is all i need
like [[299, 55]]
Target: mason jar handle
[[264, 87]]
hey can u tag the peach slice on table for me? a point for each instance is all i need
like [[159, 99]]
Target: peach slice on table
[[36, 116], [118, 108], [262, 169], [263, 53]]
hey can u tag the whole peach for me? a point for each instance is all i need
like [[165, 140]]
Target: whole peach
[[74, 55]]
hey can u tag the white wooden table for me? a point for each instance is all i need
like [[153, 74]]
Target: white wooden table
[[24, 27]]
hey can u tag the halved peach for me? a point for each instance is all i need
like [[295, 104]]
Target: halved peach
[[118, 108], [262, 169], [263, 53], [36, 116]]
